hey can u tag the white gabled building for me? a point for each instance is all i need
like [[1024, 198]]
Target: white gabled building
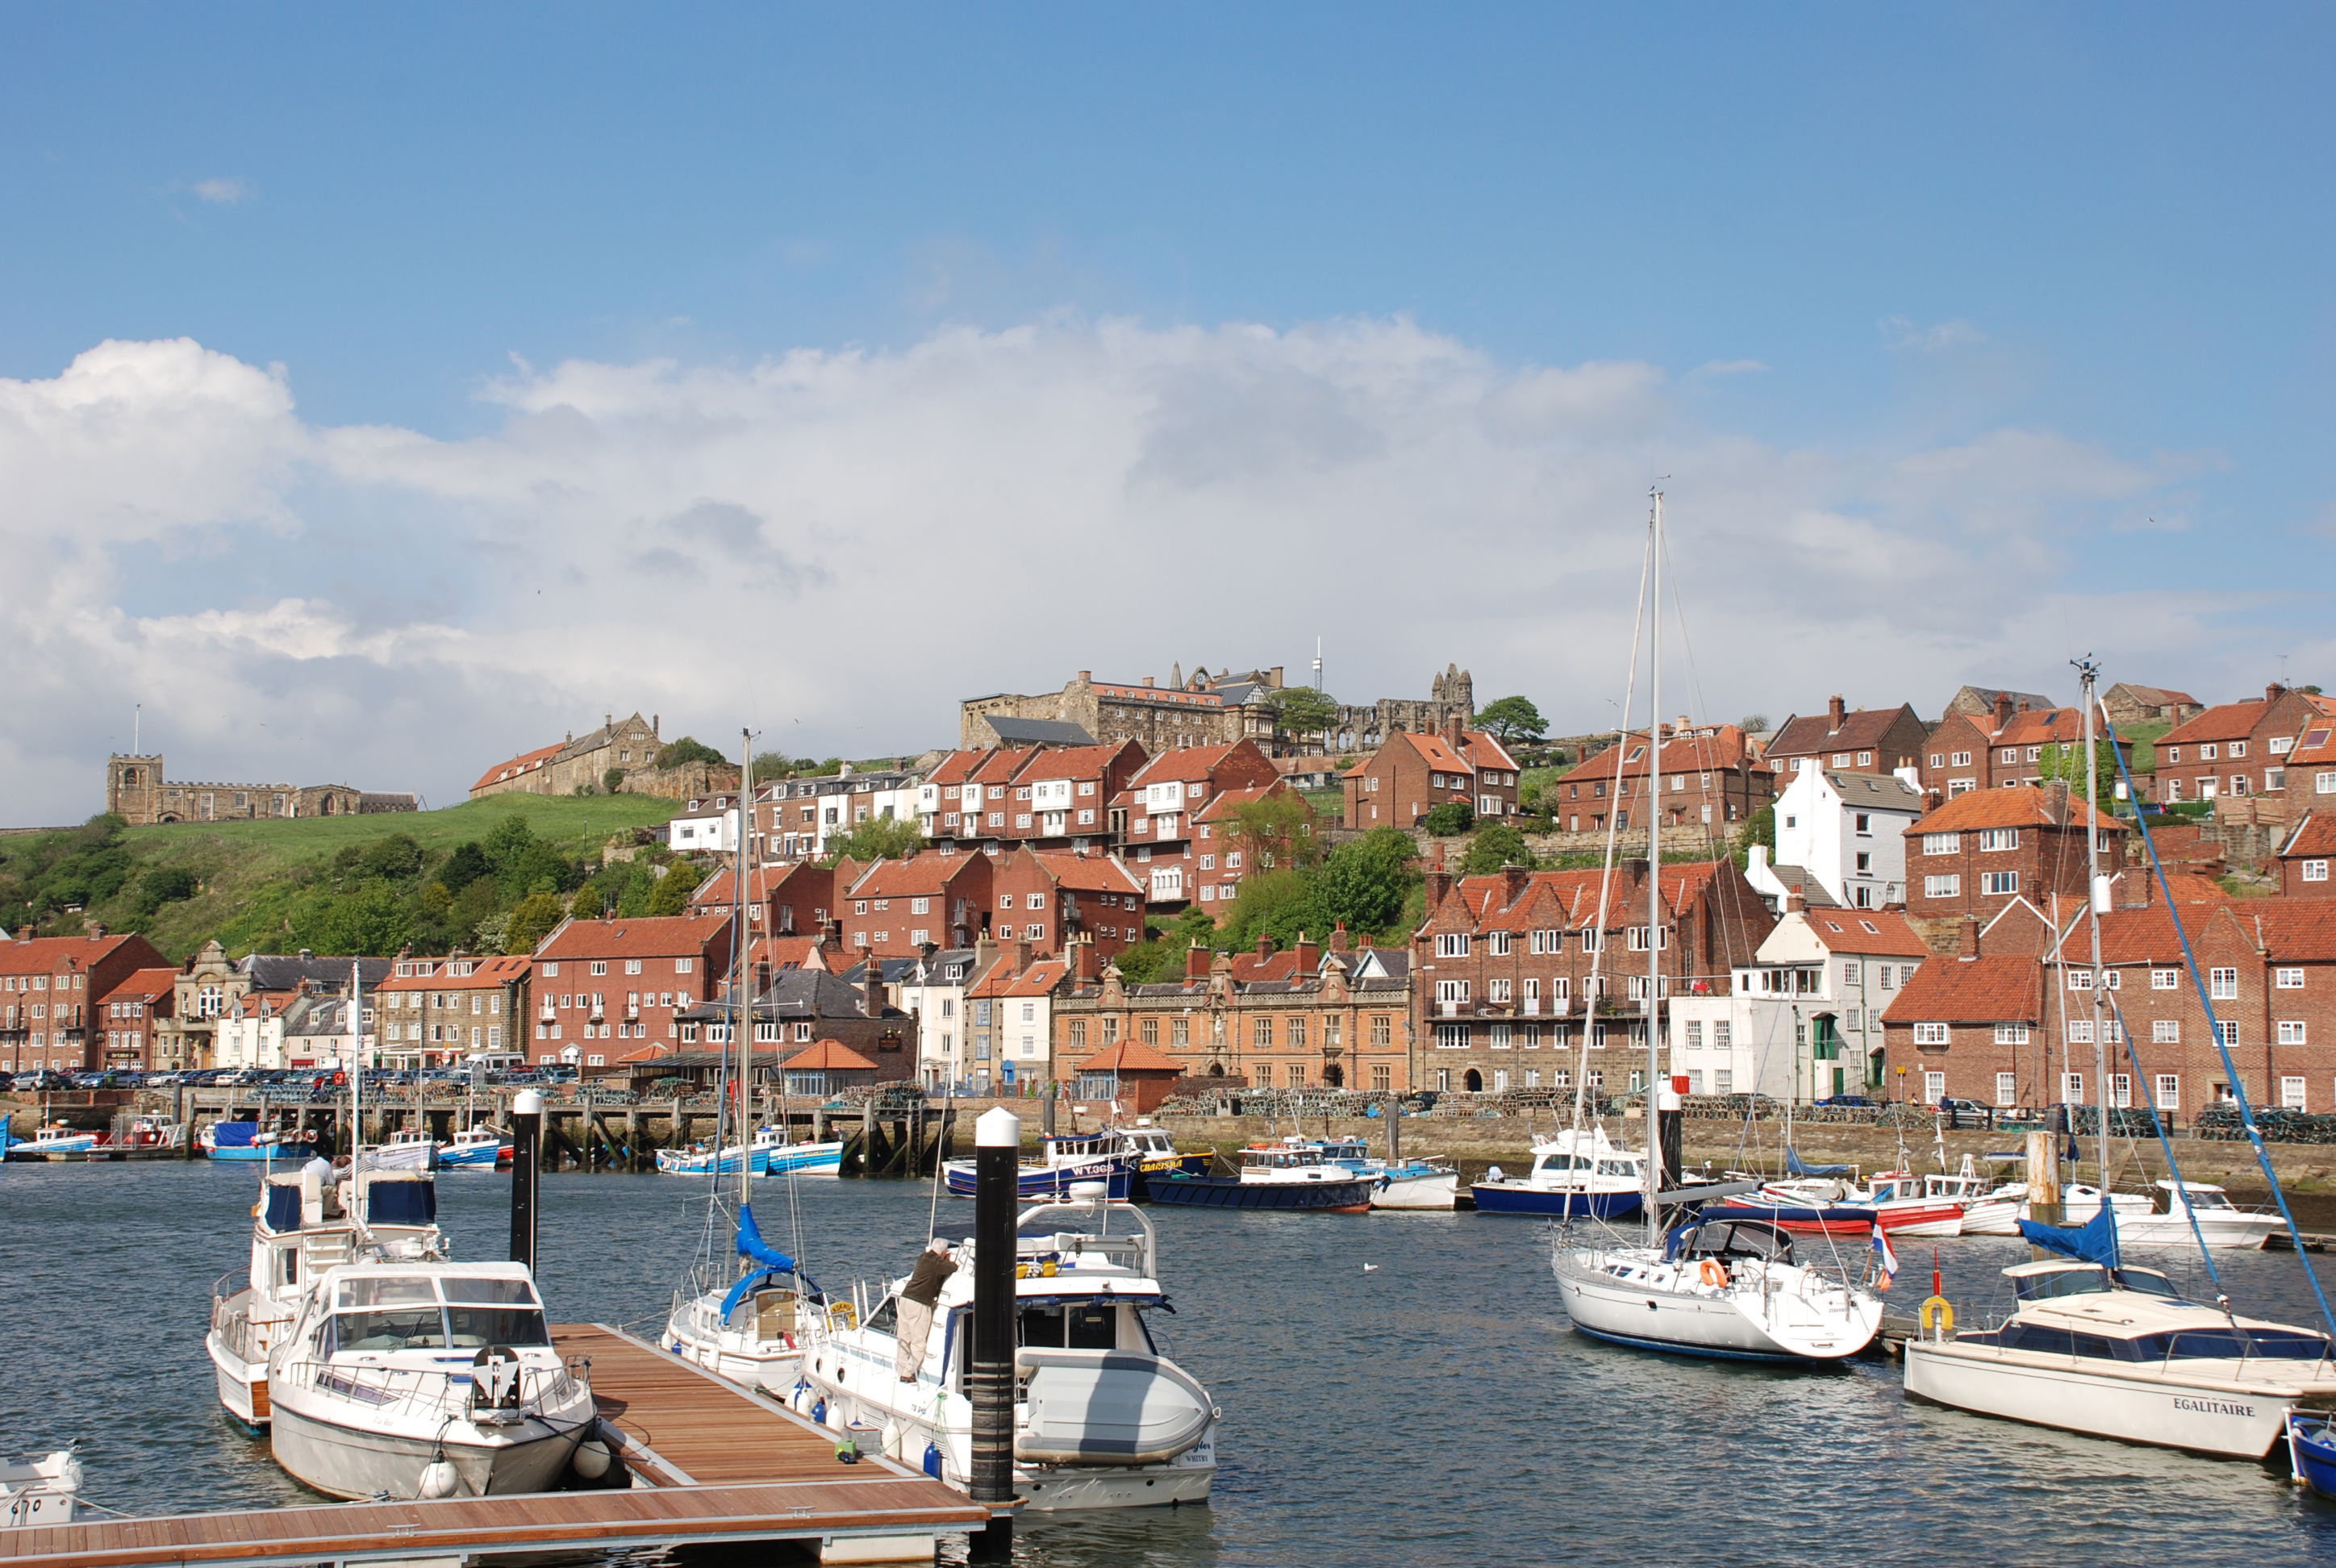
[[1802, 1021], [709, 825], [1842, 832]]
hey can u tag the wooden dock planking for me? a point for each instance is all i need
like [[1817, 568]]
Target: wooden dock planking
[[872, 1503], [714, 1432], [712, 1462]]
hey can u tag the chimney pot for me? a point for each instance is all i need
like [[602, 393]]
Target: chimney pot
[[1794, 903], [1087, 676], [1147, 680], [1264, 946], [1021, 955], [1340, 943], [2274, 692], [1835, 710]]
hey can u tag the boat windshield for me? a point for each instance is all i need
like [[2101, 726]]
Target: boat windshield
[[1071, 1325], [1560, 1163], [2083, 1280], [1617, 1167], [404, 1313], [2149, 1282], [2227, 1343]]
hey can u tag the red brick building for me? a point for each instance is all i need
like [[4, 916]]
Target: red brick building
[[893, 907], [796, 897], [53, 996], [2305, 859], [1413, 772], [1503, 967], [2238, 749], [1162, 823], [1857, 740], [1051, 899], [1984, 848], [2007, 745], [133, 1016], [1706, 779], [1047, 797], [600, 990]]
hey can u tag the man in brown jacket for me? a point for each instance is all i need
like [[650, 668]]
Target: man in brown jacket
[[918, 1299]]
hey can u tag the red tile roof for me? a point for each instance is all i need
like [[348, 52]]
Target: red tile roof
[[1725, 748], [1037, 980], [2011, 806], [1991, 988], [1184, 764], [51, 955], [1130, 1057], [643, 937], [1086, 874], [487, 974], [2231, 720], [526, 762], [1228, 802], [924, 874], [146, 983], [1862, 729], [1879, 931], [797, 953], [833, 1055], [2316, 837]]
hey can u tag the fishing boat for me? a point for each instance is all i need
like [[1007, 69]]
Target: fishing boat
[[474, 1148], [1064, 1161], [1156, 1152], [1293, 1174], [308, 1220], [424, 1379], [407, 1149], [43, 1491], [1988, 1209], [53, 1141], [1893, 1201], [1578, 1172], [249, 1141], [2116, 1352], [821, 1157], [2311, 1449], [1395, 1184], [1103, 1418], [740, 1311]]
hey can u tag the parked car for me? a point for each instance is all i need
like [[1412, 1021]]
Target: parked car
[[1849, 1100], [1965, 1113]]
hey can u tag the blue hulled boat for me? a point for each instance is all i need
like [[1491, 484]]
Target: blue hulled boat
[[1062, 1162], [2312, 1444], [1293, 1175], [1580, 1175]]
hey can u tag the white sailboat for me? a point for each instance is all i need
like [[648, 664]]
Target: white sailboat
[[1103, 1418], [1724, 1288], [743, 1312], [2096, 1345]]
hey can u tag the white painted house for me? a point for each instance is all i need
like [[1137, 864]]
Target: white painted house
[[935, 994], [1802, 1021], [707, 827], [1842, 832]]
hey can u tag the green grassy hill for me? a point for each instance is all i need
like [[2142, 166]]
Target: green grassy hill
[[336, 884]]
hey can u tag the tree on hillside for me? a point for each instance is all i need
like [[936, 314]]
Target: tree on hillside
[[877, 839], [1303, 710], [1363, 882], [1276, 831], [1494, 845], [371, 920], [672, 892], [531, 922], [1446, 818], [1511, 719], [1760, 827], [688, 749], [466, 864], [1282, 905]]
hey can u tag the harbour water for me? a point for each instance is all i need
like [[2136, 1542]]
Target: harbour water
[[1434, 1410]]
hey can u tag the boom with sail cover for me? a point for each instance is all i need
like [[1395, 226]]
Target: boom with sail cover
[[2094, 1241], [751, 1246]]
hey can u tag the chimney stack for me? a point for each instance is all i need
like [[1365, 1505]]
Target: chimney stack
[[1340, 943], [1022, 955], [1264, 946], [1196, 963], [1514, 879], [2002, 709], [1452, 729], [1439, 883], [2274, 692], [1835, 710], [1794, 903], [1309, 955], [1147, 680], [1083, 970], [1969, 944], [874, 984]]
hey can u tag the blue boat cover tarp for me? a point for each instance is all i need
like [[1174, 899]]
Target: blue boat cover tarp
[[404, 1201], [2094, 1241], [1793, 1164], [751, 1245], [233, 1135]]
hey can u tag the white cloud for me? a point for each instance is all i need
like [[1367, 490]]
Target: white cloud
[[232, 190], [1900, 332], [836, 545]]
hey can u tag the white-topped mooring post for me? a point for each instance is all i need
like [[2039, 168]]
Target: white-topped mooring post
[[989, 1371], [527, 1146]]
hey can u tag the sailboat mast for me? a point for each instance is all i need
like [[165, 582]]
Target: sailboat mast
[[2090, 673], [742, 1006], [356, 1075], [1653, 1163]]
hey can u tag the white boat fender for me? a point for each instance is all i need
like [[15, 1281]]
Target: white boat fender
[[592, 1459], [889, 1440], [439, 1478]]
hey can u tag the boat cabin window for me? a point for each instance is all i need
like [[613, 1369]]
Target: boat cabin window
[[1724, 1238], [1561, 1162], [2077, 1282], [387, 1329], [473, 1328], [381, 1314], [1617, 1167], [886, 1318], [1074, 1325], [2149, 1282]]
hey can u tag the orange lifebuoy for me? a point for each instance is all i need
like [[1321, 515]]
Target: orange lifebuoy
[[1714, 1272]]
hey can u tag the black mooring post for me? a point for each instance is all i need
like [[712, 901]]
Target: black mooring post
[[1669, 1129], [527, 1147], [989, 1371]]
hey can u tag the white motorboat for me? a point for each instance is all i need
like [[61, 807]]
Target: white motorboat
[[408, 1149], [1723, 1287], [474, 1148], [424, 1379], [1102, 1417], [1401, 1184], [305, 1223], [43, 1491], [2220, 1222], [1987, 1211], [1579, 1173], [2118, 1353]]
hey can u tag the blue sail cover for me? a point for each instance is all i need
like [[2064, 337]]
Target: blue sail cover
[[2094, 1241], [1793, 1164], [751, 1245]]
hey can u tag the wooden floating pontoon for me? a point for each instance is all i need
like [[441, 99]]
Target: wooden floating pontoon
[[711, 1462]]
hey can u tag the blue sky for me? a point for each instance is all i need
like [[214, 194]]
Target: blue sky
[[1866, 240]]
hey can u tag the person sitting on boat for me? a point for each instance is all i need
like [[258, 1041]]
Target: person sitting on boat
[[918, 1299]]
